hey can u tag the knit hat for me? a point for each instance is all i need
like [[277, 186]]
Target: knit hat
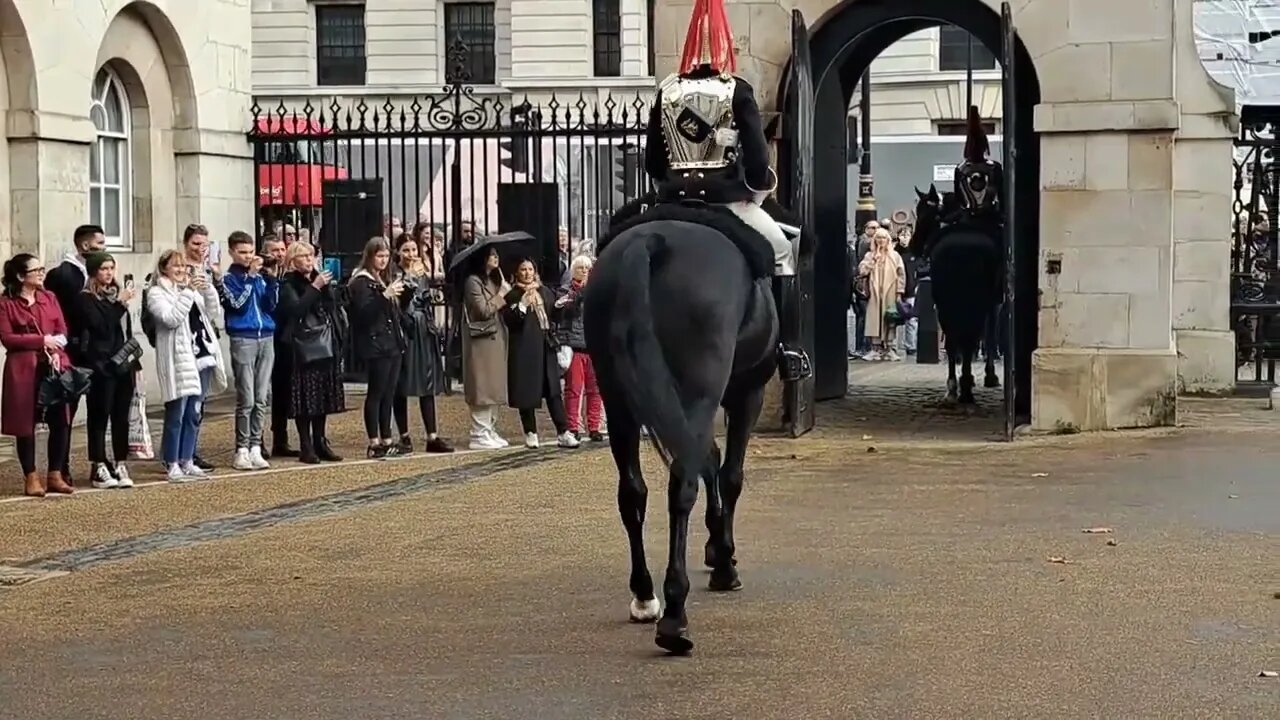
[[93, 261]]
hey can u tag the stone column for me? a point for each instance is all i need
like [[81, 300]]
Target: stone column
[[48, 181], [215, 184]]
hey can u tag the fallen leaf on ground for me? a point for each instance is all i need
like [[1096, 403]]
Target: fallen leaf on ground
[[872, 449], [1059, 560], [866, 437], [1097, 531], [1112, 542], [1233, 497], [1269, 674], [1039, 475]]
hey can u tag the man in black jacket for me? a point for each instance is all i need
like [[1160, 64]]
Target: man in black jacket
[[705, 143], [66, 281]]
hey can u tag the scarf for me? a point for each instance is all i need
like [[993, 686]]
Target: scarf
[[538, 308]]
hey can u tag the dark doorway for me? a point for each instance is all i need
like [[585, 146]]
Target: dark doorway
[[842, 46]]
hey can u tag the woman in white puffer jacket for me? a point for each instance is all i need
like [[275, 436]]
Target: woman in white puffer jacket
[[187, 353]]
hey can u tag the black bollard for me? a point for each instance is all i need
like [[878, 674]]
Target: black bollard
[[926, 324]]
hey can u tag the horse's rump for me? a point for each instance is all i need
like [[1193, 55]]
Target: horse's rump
[[755, 249], [966, 266]]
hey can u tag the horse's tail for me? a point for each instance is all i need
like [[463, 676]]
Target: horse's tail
[[643, 375]]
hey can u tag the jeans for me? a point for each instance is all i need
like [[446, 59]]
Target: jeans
[[860, 308], [906, 339], [206, 379], [181, 428], [252, 361]]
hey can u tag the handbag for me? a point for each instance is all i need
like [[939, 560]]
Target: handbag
[[481, 328], [313, 341], [61, 387], [125, 359]]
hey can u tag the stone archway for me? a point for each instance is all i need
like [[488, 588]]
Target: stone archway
[[843, 43]]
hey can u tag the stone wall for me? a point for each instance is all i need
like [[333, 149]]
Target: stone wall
[[184, 67], [1134, 217]]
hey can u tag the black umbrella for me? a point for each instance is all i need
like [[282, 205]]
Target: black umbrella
[[512, 248]]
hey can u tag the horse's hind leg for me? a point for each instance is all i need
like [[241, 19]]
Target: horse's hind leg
[[991, 346], [682, 493], [743, 412], [966, 375], [951, 372], [633, 496]]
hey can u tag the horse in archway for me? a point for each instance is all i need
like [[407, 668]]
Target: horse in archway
[[679, 322], [966, 264]]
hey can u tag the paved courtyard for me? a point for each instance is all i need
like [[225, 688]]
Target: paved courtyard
[[923, 580], [903, 400]]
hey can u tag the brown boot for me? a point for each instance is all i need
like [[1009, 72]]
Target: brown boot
[[56, 484], [34, 485]]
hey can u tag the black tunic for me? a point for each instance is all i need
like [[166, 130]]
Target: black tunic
[[721, 185]]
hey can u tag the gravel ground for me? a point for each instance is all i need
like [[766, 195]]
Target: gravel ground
[[912, 582]]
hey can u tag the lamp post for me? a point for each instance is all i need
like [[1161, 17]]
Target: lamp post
[[866, 211]]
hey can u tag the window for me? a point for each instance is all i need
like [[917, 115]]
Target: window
[[470, 23], [606, 30], [653, 55], [340, 46], [110, 169], [960, 127], [953, 50]]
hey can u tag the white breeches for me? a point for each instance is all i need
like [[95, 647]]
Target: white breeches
[[755, 216]]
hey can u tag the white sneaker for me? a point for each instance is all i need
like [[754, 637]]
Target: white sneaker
[[256, 459], [531, 440], [122, 476], [241, 461], [190, 470], [102, 478], [176, 475], [484, 442], [568, 440], [497, 439]]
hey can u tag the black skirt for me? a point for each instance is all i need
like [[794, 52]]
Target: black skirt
[[316, 389]]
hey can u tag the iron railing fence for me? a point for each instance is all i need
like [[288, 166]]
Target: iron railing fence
[[1255, 276], [459, 163]]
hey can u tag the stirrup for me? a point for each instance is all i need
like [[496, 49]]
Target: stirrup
[[793, 364]]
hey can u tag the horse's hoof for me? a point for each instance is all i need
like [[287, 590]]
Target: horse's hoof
[[991, 381], [673, 636], [644, 611], [724, 580]]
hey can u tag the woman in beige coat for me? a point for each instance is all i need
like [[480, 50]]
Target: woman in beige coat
[[886, 282], [484, 347]]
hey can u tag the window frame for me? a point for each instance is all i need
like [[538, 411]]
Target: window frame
[[479, 36], [338, 70], [946, 46], [606, 38], [124, 169]]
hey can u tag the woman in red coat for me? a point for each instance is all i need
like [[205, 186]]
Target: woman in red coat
[[34, 334]]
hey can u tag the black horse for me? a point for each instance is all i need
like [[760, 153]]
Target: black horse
[[966, 264], [679, 322]]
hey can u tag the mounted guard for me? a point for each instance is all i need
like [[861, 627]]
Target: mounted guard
[[979, 179], [706, 145]]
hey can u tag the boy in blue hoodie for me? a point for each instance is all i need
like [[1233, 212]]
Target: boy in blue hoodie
[[250, 300]]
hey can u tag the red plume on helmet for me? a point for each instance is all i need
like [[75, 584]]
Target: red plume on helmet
[[710, 41], [976, 146]]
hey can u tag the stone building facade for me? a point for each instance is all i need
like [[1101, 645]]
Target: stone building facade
[[1135, 183], [128, 114], [529, 47]]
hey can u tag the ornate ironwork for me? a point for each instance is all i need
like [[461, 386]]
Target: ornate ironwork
[[453, 159], [1255, 275]]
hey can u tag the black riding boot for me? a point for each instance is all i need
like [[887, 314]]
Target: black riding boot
[[793, 362]]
